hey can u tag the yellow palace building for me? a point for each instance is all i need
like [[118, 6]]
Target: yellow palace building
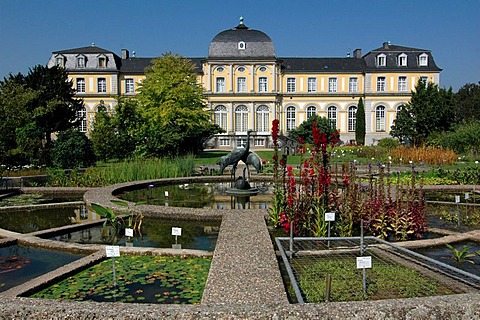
[[247, 85]]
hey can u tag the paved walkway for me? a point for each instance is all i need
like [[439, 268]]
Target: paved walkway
[[244, 269]]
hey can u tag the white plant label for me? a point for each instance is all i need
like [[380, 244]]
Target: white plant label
[[166, 193], [128, 232], [176, 231], [364, 262], [457, 199], [329, 216], [467, 195], [112, 251]]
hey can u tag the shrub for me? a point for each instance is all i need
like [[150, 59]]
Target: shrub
[[388, 143], [72, 149]]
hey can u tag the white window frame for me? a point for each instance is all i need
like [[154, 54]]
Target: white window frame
[[291, 85], [381, 60], [60, 61], [380, 118], [262, 84], [241, 119], [353, 84], [82, 117], [263, 119], [81, 62], [352, 118], [381, 84], [259, 142], [312, 84], [402, 60], [129, 85], [332, 85], [220, 116], [102, 85], [242, 84], [402, 84], [220, 84], [242, 45], [81, 85], [332, 115], [311, 111], [102, 62], [291, 113], [423, 60], [224, 142]]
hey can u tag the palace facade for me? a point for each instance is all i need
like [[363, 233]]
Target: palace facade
[[247, 85]]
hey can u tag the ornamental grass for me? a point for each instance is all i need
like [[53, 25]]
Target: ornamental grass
[[423, 155]]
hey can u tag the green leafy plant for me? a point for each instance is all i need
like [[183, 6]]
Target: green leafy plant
[[461, 256]]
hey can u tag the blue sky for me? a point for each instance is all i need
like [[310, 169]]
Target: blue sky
[[31, 29]]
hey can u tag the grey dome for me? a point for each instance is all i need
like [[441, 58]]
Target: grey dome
[[227, 44]]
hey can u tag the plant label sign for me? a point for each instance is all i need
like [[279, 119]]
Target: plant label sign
[[128, 232], [364, 262], [112, 251], [176, 231], [467, 196], [457, 199], [329, 216], [166, 193]]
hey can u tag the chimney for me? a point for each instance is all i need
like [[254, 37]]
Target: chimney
[[357, 53], [125, 54], [386, 44]]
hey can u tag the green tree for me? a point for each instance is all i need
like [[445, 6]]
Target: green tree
[[14, 97], [126, 121], [467, 103], [103, 136], [172, 107], [360, 124], [72, 149], [55, 107], [305, 128], [430, 109]]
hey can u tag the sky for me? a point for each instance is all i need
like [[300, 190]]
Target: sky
[[30, 30]]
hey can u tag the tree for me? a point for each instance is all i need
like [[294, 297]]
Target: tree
[[467, 101], [72, 149], [360, 124], [172, 108], [430, 109], [55, 107], [304, 130], [103, 136], [14, 97]]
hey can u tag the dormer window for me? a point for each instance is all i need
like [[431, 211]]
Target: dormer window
[[381, 60], [241, 45], [102, 62], [80, 62], [402, 60], [60, 61], [423, 60]]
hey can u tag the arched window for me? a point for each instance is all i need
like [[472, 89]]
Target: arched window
[[220, 116], [332, 115], [241, 119], [82, 118], [311, 111], [263, 119], [352, 118], [291, 123], [380, 118]]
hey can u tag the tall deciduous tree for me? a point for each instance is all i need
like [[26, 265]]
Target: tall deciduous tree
[[467, 101], [360, 124], [172, 106], [14, 97], [430, 109]]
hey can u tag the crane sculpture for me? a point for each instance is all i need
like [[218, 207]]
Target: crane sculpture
[[235, 156]]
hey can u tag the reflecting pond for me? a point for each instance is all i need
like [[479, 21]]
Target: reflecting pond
[[199, 195], [31, 220], [157, 233], [19, 264]]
